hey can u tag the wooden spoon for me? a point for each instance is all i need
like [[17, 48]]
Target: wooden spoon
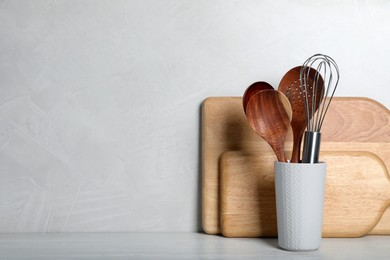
[[253, 89], [290, 86], [269, 113]]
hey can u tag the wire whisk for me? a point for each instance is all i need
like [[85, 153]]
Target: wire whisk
[[317, 97]]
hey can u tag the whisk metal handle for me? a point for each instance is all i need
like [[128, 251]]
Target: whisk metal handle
[[311, 147]]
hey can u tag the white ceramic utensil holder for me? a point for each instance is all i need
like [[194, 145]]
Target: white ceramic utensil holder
[[300, 189]]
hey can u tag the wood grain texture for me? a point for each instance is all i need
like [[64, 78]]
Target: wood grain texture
[[357, 193], [252, 90], [269, 114], [248, 206], [383, 227], [358, 124]]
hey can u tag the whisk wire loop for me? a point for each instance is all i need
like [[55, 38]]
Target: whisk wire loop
[[321, 91], [317, 96]]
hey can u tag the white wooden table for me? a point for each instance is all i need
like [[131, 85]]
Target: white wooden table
[[178, 246]]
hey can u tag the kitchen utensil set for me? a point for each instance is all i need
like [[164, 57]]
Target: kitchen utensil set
[[306, 88], [301, 101]]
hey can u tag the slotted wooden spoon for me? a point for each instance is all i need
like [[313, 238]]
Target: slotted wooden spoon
[[290, 86], [269, 114]]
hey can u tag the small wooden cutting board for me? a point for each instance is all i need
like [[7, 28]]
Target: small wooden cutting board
[[357, 194]]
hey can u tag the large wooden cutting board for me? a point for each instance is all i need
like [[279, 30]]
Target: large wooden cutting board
[[358, 124], [357, 193]]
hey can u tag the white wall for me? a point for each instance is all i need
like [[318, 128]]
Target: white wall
[[99, 100]]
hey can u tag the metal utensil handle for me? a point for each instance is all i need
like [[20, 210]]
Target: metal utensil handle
[[311, 147]]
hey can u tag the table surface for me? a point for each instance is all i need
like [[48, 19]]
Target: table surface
[[178, 246]]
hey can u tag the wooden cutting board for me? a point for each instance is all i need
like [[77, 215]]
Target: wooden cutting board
[[357, 194], [357, 124]]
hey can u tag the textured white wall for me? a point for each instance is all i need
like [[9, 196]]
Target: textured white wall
[[99, 100]]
